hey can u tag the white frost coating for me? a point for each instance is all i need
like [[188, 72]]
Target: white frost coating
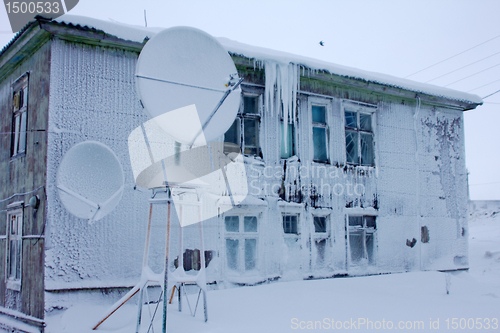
[[16, 324], [137, 34], [89, 83]]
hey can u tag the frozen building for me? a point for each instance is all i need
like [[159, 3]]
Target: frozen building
[[348, 172]]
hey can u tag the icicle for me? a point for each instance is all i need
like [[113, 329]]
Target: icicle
[[295, 89], [270, 72], [285, 79], [284, 88]]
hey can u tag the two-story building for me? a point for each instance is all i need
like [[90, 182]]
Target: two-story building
[[348, 172]]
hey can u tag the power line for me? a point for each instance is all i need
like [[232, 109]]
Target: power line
[[484, 70], [484, 85], [453, 56], [490, 103], [484, 184], [21, 194], [496, 92], [472, 63]]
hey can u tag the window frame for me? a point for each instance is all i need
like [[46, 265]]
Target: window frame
[[293, 135], [290, 234], [19, 131], [327, 233], [359, 109], [240, 123], [318, 237], [241, 236], [14, 283], [314, 101], [364, 230]]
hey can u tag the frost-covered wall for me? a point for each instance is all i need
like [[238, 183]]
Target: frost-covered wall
[[416, 189], [92, 97]]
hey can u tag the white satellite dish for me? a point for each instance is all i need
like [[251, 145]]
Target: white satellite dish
[[90, 180], [156, 164], [184, 78]]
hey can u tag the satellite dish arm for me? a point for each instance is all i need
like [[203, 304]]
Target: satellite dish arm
[[226, 93], [111, 198], [78, 196]]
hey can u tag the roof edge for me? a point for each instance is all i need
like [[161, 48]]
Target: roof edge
[[345, 76], [371, 86]]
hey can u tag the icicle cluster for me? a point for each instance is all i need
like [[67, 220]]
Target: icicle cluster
[[282, 84]]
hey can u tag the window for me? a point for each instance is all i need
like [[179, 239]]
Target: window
[[19, 115], [321, 238], [287, 139], [290, 224], [362, 240], [241, 242], [320, 133], [288, 142], [359, 138], [14, 248], [244, 131], [320, 224]]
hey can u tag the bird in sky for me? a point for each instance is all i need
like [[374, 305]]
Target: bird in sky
[[322, 43]]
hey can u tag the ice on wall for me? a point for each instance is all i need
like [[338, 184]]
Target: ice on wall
[[92, 98], [416, 183], [282, 84]]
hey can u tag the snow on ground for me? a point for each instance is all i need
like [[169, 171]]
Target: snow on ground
[[410, 301]]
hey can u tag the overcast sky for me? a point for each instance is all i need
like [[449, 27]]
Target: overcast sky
[[388, 36]]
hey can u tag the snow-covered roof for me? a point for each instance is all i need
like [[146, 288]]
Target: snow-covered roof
[[138, 34]]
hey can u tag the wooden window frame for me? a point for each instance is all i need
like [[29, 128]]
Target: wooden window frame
[[327, 233], [292, 124], [364, 230], [241, 235], [19, 130], [320, 103], [240, 124], [14, 283], [359, 109], [318, 237], [290, 234]]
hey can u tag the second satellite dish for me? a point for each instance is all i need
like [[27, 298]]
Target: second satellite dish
[[90, 180], [181, 76]]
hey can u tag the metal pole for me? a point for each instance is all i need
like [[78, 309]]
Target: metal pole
[[139, 310], [144, 264], [202, 261], [165, 280], [226, 93], [148, 234], [138, 287], [119, 304], [179, 297]]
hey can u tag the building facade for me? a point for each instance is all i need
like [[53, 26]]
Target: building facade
[[348, 172]]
